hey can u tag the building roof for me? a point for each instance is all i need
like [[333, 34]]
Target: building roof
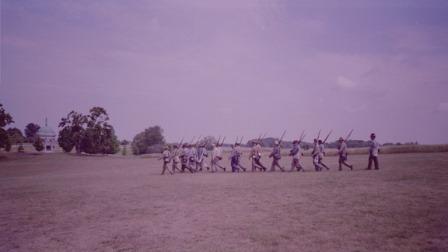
[[46, 131]]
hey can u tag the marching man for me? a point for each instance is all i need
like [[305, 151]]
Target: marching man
[[296, 154], [342, 150], [276, 156], [235, 158], [166, 156], [255, 156], [321, 155], [216, 158]]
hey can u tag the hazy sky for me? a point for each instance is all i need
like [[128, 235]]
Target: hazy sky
[[231, 67]]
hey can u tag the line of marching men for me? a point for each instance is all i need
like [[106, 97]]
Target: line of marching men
[[192, 157]]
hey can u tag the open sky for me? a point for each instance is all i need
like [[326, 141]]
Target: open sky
[[231, 67]]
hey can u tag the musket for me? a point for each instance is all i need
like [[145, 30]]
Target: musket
[[318, 135], [199, 139], [219, 139], [326, 138], [222, 142], [241, 141], [302, 136], [179, 146], [349, 135], [192, 140], [281, 138]]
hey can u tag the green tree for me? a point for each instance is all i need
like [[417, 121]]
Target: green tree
[[15, 135], [75, 123], [38, 144], [88, 133], [5, 119], [150, 137], [65, 140], [31, 130]]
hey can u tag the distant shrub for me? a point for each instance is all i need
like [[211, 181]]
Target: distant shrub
[[148, 141], [38, 144]]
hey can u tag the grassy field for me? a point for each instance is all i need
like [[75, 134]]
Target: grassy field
[[60, 202]]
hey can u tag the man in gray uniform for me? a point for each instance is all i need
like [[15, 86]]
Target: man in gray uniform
[[175, 158], [216, 158], [184, 158], [296, 155], [315, 155], [276, 156], [166, 156], [321, 155], [255, 156], [201, 155], [342, 150], [374, 149], [235, 158], [192, 157]]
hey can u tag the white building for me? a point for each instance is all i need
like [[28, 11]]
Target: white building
[[48, 136]]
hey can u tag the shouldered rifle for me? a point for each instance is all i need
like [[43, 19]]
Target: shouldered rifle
[[302, 136], [222, 142], [281, 138], [318, 135], [348, 135], [326, 138]]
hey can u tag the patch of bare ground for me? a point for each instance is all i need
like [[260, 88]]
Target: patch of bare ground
[[61, 202]]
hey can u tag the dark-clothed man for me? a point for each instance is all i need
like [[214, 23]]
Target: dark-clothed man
[[276, 155], [235, 158]]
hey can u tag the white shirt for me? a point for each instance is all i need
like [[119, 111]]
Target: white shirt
[[216, 152], [374, 148], [343, 149]]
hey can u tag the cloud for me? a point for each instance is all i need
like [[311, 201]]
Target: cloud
[[345, 82], [443, 106]]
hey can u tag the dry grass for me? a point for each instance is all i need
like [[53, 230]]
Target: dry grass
[[63, 202]]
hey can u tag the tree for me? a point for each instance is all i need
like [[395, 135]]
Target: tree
[[31, 130], [15, 135], [65, 140], [5, 119], [38, 144], [75, 124], [88, 133], [150, 137]]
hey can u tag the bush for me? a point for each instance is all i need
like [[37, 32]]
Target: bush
[[38, 144], [156, 148], [148, 141], [65, 139]]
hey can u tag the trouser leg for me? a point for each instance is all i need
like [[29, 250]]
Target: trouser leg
[[258, 162], [369, 166], [375, 160]]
